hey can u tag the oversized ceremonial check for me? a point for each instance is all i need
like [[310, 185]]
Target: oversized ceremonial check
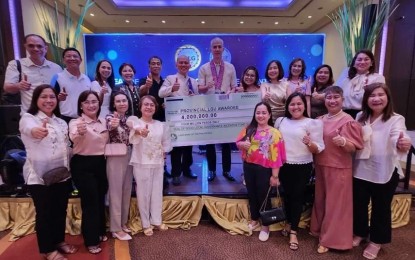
[[209, 119]]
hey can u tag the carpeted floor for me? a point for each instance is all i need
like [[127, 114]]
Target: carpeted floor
[[209, 241]]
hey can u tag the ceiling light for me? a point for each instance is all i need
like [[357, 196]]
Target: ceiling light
[[127, 21], [203, 22], [309, 17], [163, 21], [276, 23], [91, 14], [241, 22]]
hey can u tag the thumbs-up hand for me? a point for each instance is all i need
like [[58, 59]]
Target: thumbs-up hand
[[315, 94], [339, 140], [42, 131], [62, 95], [403, 144], [306, 138], [24, 84], [114, 121], [145, 131], [267, 95], [104, 89], [81, 126], [149, 80], [176, 85]]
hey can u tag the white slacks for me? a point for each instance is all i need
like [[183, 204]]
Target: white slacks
[[149, 194]]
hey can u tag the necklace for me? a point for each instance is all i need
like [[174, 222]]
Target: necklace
[[331, 116]]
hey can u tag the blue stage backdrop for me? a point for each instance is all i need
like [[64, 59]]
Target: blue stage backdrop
[[241, 50]]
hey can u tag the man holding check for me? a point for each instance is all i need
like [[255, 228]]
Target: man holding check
[[217, 77]]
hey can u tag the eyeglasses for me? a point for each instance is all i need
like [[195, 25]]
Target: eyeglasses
[[32, 46], [71, 57], [92, 102]]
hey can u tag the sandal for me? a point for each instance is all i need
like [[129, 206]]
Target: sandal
[[286, 231], [126, 229], [161, 227], [55, 255], [322, 249], [253, 225], [103, 238], [293, 245], [371, 251], [148, 231], [357, 240], [66, 248], [94, 249]]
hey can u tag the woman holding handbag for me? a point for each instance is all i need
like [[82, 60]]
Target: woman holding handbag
[[89, 135], [303, 137], [119, 172], [45, 137], [151, 141], [261, 147]]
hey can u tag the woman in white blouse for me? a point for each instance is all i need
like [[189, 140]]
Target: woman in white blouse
[[376, 169], [303, 136], [361, 73], [45, 137], [105, 82], [151, 141]]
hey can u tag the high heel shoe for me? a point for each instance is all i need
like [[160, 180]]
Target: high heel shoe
[[161, 227], [123, 237]]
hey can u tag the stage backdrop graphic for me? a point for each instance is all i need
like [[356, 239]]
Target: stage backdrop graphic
[[241, 50]]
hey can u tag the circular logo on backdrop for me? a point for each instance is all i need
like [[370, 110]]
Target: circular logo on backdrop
[[226, 55], [192, 52]]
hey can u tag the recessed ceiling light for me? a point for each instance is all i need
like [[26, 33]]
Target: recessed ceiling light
[[203, 22], [309, 17], [241, 22], [276, 23], [127, 21], [91, 14], [163, 21]]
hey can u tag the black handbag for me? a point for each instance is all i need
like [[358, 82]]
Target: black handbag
[[273, 215], [56, 175]]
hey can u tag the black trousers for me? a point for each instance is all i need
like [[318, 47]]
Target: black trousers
[[257, 185], [90, 177], [380, 230], [226, 157], [50, 205], [181, 160], [294, 178]]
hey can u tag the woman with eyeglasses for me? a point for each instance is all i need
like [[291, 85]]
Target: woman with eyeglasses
[[151, 142], [250, 80], [89, 135], [332, 214]]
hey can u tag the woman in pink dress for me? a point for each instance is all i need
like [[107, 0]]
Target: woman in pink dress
[[332, 215]]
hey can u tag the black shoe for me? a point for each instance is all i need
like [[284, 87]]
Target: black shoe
[[176, 181], [211, 175], [189, 174], [228, 176]]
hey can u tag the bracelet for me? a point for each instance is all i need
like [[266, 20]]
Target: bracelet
[[275, 177]]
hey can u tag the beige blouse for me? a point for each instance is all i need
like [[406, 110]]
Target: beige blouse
[[279, 93]]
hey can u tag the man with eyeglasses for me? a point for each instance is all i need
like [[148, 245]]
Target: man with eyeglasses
[[35, 70], [70, 83], [180, 84], [217, 77]]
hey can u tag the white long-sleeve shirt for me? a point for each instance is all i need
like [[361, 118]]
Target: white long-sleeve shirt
[[148, 152], [293, 132], [380, 149], [47, 153], [185, 86]]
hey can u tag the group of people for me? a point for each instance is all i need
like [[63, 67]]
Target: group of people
[[353, 142], [69, 121]]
